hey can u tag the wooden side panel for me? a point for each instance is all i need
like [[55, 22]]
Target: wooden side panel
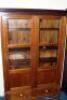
[[4, 37], [61, 50]]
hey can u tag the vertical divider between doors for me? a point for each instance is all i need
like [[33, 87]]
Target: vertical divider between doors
[[35, 51]]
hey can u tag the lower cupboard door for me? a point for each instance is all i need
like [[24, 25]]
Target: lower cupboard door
[[20, 93], [46, 83]]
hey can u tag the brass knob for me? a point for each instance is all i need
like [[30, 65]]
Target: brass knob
[[21, 95], [46, 91]]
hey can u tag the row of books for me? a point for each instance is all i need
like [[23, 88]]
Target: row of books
[[24, 37], [49, 23], [19, 58], [48, 53], [19, 36], [19, 55], [15, 55], [19, 23], [26, 23], [48, 36]]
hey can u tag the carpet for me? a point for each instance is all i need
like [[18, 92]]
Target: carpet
[[62, 96]]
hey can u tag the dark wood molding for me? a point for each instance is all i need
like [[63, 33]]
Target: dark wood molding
[[66, 12], [34, 11]]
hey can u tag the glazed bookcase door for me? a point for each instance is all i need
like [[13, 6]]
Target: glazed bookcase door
[[48, 40], [49, 32], [17, 49], [19, 41]]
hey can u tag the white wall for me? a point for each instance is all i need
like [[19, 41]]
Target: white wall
[[1, 72], [41, 4], [48, 4]]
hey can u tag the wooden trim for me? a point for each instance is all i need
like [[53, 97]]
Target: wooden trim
[[18, 16], [61, 49], [35, 45], [4, 50], [34, 11]]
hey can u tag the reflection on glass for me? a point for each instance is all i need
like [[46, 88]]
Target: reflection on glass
[[19, 58], [48, 53]]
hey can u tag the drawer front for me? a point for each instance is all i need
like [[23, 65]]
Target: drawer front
[[19, 93], [29, 93], [51, 89]]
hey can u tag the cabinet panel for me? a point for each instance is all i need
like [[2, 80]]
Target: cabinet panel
[[20, 78], [46, 76]]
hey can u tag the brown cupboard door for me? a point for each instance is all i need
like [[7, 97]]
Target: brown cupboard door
[[17, 50], [49, 46]]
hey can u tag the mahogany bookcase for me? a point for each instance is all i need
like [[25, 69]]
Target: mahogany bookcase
[[33, 43]]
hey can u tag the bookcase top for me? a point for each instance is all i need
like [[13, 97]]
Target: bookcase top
[[34, 11]]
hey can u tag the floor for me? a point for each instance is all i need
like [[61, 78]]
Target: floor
[[63, 96]]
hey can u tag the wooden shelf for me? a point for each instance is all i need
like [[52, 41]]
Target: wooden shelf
[[48, 59], [19, 70], [19, 62], [47, 47], [49, 28], [48, 44], [20, 65], [26, 60], [46, 67], [10, 46], [22, 29]]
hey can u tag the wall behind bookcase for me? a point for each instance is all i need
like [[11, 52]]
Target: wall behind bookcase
[[42, 4], [34, 4]]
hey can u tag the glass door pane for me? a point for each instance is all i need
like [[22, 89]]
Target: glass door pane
[[19, 58], [19, 31], [49, 23], [48, 37], [48, 42], [19, 40]]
